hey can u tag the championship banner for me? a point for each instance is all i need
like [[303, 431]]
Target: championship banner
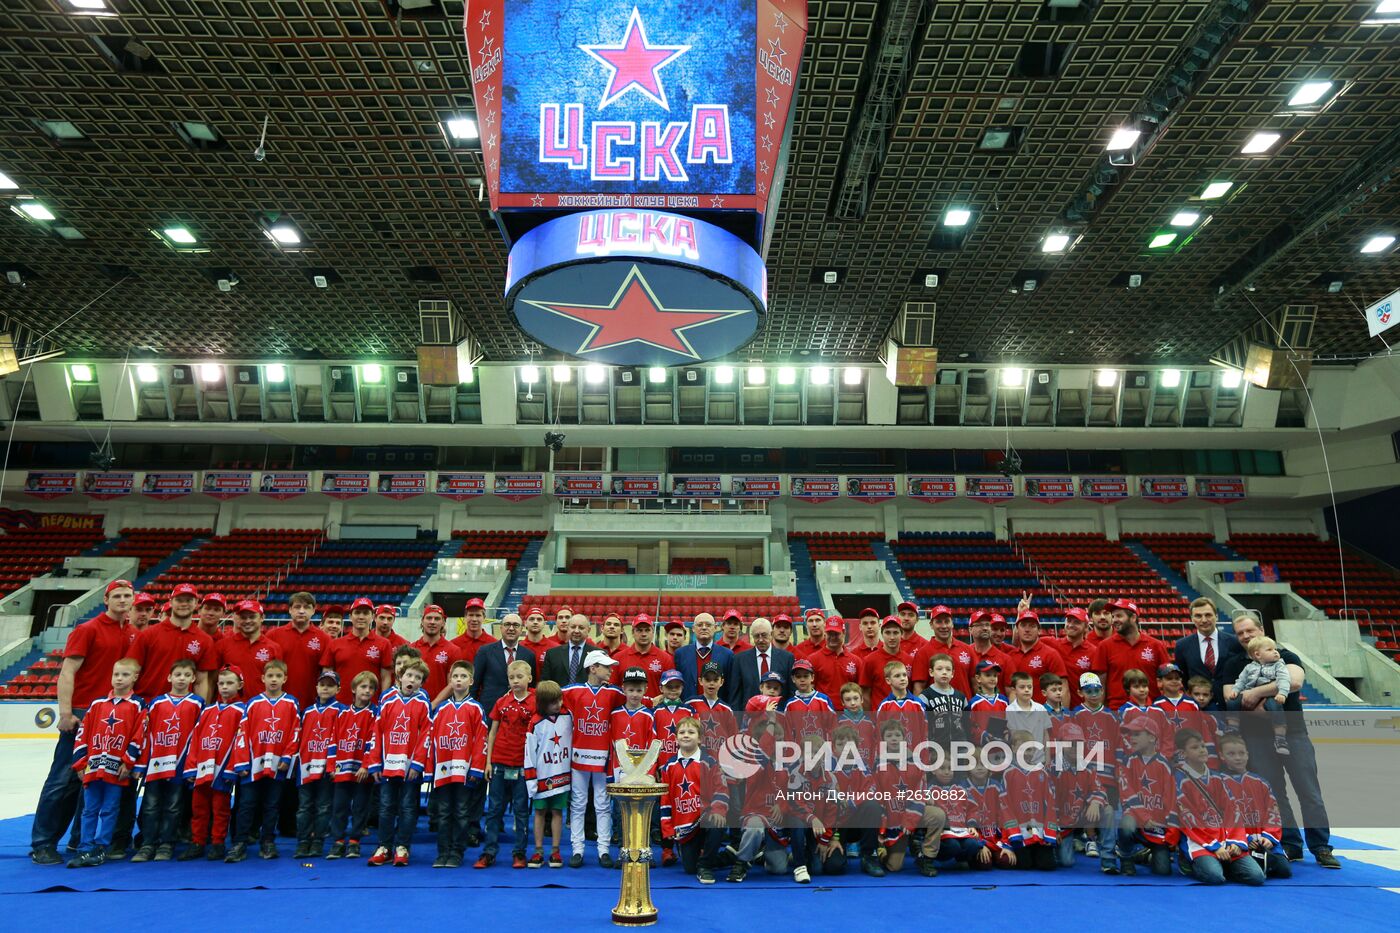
[[284, 485], [697, 486], [46, 485], [1162, 488], [517, 487], [1103, 488], [24, 519], [932, 488], [579, 485], [769, 486], [167, 486], [1220, 488], [403, 485], [989, 488], [460, 487], [636, 485], [871, 488], [1384, 314], [340, 485], [1049, 488], [108, 485], [814, 488], [227, 484]]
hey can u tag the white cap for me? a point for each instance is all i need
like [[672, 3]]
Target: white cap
[[598, 657], [1090, 679]]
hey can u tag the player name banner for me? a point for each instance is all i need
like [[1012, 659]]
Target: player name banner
[[167, 485], [932, 488], [814, 488], [1220, 488], [227, 484], [46, 485], [1103, 488], [871, 488], [697, 486], [339, 485], [989, 488], [285, 484], [403, 485], [636, 485], [1049, 488], [766, 486], [1162, 488], [108, 485], [517, 487], [580, 485], [460, 487]]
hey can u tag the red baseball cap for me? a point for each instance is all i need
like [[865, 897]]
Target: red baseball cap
[[782, 618], [165, 608], [835, 624], [331, 609], [364, 602], [535, 611], [144, 599], [1122, 602], [939, 610], [249, 605], [564, 608], [906, 605], [1074, 612], [998, 619], [233, 669], [978, 616], [1141, 724], [184, 589], [434, 607], [116, 585], [642, 619], [1028, 614], [475, 603], [891, 621], [673, 625], [214, 598], [802, 664], [813, 612], [732, 614], [386, 610], [869, 612]]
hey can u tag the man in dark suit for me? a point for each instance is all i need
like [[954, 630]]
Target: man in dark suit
[[750, 666], [564, 664], [489, 682], [690, 658], [1206, 651]]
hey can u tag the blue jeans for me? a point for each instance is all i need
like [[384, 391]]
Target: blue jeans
[[258, 806], [958, 850], [1298, 767], [1064, 851], [505, 791], [1130, 842], [398, 811], [59, 799], [1278, 866], [314, 808], [350, 811], [1210, 870], [755, 840], [101, 801], [160, 812]]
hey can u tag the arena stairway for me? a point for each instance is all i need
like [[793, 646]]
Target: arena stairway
[[808, 595], [882, 551], [1164, 571], [520, 577], [174, 558], [447, 549]]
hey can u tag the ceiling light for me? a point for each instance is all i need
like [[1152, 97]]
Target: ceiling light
[[561, 373], [1230, 379], [851, 376], [1309, 93], [1012, 377], [830, 277], [956, 217], [1388, 6], [36, 210], [372, 373], [88, 4], [1216, 189], [178, 235], [211, 372], [820, 375], [1171, 378], [1055, 243], [1123, 138], [284, 234], [595, 374], [1185, 218], [1378, 244], [724, 375], [276, 373], [68, 232], [1107, 378], [656, 375], [529, 374], [146, 373], [1161, 240], [1260, 142], [755, 376], [7, 183], [467, 374], [786, 375], [462, 129], [60, 130], [81, 372]]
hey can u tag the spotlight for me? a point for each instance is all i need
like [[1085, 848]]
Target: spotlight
[[1171, 378], [755, 376], [786, 375], [595, 374], [561, 373], [147, 374], [1107, 378], [529, 374], [851, 376], [724, 375], [211, 372], [656, 375], [275, 372], [820, 375], [554, 441], [1012, 377]]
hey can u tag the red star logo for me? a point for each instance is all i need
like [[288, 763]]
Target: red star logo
[[635, 315], [635, 63]]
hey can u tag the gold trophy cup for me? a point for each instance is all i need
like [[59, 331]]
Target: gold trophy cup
[[636, 793]]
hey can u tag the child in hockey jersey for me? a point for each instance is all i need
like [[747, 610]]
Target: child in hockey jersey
[[984, 809], [591, 705], [105, 754], [900, 705], [1079, 792], [459, 763], [397, 756], [668, 713], [1254, 815], [170, 721], [1203, 811], [951, 833], [548, 769], [986, 710], [1102, 747], [853, 714], [695, 803], [317, 785], [354, 791], [631, 722], [769, 696], [208, 768], [1148, 792], [1028, 802], [268, 739]]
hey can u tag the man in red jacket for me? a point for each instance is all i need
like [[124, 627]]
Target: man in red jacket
[[249, 648], [833, 664], [471, 640], [438, 653], [160, 645], [1128, 648], [302, 645]]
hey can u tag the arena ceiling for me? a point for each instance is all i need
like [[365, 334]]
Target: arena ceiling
[[355, 92]]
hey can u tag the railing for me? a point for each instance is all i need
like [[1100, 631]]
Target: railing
[[275, 581], [666, 505]]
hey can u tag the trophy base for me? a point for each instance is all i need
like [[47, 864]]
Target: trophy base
[[634, 920]]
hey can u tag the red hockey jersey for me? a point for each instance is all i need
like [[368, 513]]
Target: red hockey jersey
[[268, 736], [210, 756], [458, 742], [903, 798], [591, 710], [986, 717], [866, 737], [1203, 812], [353, 729], [719, 721], [1253, 808], [695, 787], [809, 714], [1101, 740], [110, 738], [667, 717], [318, 727], [1075, 789], [170, 722], [636, 727], [399, 742], [1148, 792], [910, 712], [984, 808], [959, 819], [1028, 814]]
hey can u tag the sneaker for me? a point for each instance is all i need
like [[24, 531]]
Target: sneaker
[[926, 867], [872, 867], [401, 857], [1091, 848], [1129, 867], [268, 850], [380, 856], [454, 861], [1326, 859], [575, 860], [144, 854], [485, 860], [1294, 853], [705, 876], [238, 853], [517, 860], [556, 859], [303, 849], [114, 853], [1281, 746], [216, 852], [1108, 868], [738, 873], [46, 856], [605, 860], [78, 861], [164, 853], [668, 856], [801, 875], [337, 850], [473, 837], [352, 849], [440, 861], [853, 851], [536, 861], [191, 853]]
